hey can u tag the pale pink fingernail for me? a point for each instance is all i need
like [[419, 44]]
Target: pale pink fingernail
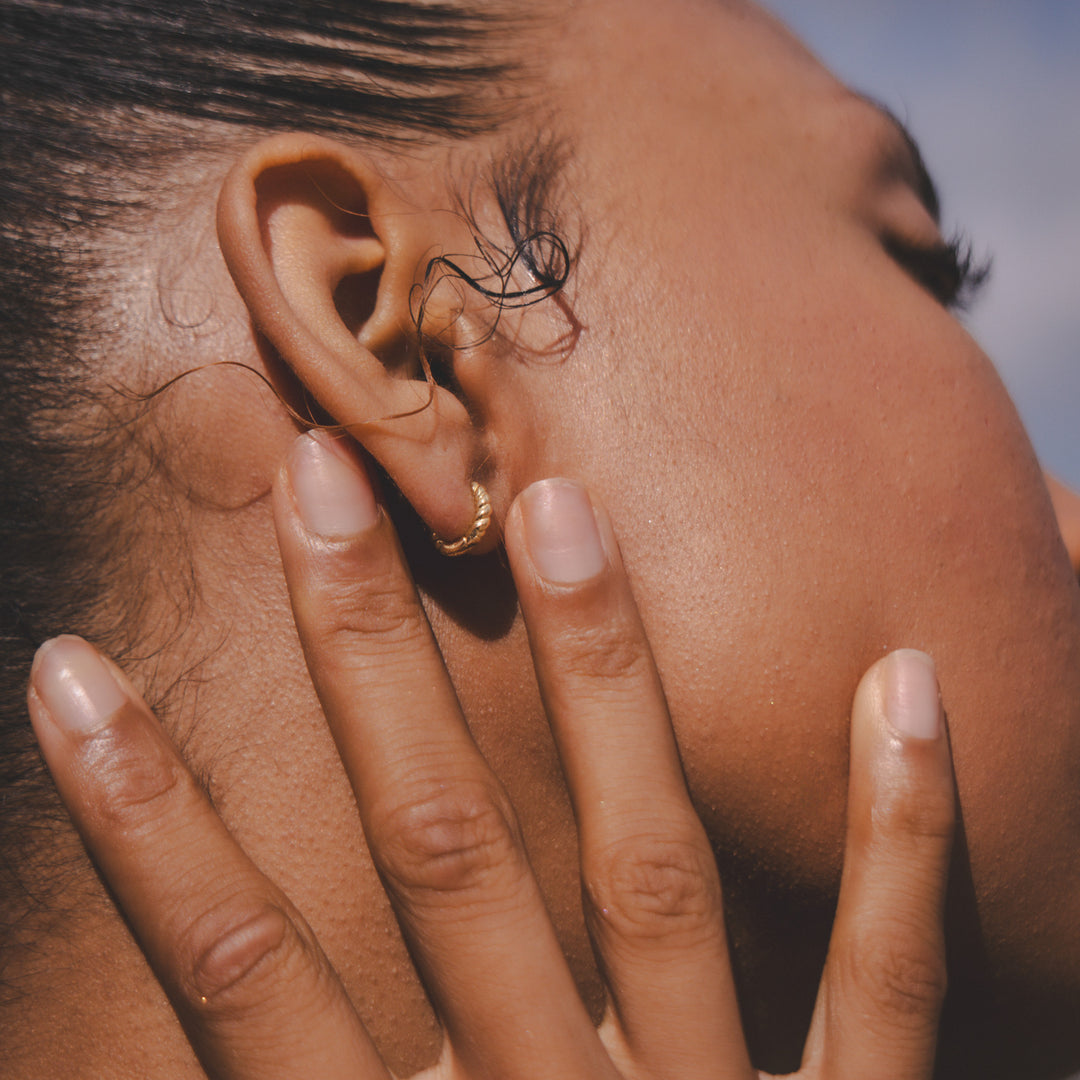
[[561, 532], [333, 493], [912, 699], [75, 685]]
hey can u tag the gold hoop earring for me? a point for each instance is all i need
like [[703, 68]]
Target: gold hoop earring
[[476, 531]]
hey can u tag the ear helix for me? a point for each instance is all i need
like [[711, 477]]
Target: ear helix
[[476, 531]]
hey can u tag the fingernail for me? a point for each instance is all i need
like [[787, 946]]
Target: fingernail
[[74, 685], [912, 699], [333, 494], [561, 532]]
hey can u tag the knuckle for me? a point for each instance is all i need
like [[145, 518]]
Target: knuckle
[[379, 610], [137, 779], [653, 888], [920, 815], [899, 976], [236, 958], [456, 840], [609, 653]]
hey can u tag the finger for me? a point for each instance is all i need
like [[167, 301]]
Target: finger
[[652, 889], [244, 973], [439, 826], [1067, 511], [884, 982]]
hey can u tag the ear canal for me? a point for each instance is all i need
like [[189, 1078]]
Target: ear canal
[[324, 251], [354, 298]]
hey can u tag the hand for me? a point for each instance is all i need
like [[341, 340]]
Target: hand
[[245, 974]]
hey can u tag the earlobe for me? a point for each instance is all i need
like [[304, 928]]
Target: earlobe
[[324, 251]]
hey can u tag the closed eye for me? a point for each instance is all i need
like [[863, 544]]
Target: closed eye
[[948, 270]]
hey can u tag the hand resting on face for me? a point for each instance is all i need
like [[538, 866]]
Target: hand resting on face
[[246, 976]]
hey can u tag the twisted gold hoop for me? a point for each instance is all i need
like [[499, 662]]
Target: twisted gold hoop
[[477, 529]]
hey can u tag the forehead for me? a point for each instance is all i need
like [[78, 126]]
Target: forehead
[[696, 88], [680, 46], [688, 95], [699, 97]]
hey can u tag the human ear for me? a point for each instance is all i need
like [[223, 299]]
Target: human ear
[[324, 250], [1067, 509]]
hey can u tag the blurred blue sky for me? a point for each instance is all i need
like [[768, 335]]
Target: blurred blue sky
[[991, 90]]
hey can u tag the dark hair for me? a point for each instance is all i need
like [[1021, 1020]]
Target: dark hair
[[95, 99]]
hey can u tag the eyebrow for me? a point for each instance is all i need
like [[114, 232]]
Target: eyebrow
[[925, 187]]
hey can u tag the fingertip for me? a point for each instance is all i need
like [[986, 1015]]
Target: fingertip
[[901, 763], [912, 698], [48, 649], [560, 532], [902, 689], [332, 492], [557, 533], [74, 685]]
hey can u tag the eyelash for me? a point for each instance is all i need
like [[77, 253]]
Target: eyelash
[[949, 271]]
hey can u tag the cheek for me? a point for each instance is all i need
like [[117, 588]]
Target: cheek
[[797, 491], [848, 480]]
